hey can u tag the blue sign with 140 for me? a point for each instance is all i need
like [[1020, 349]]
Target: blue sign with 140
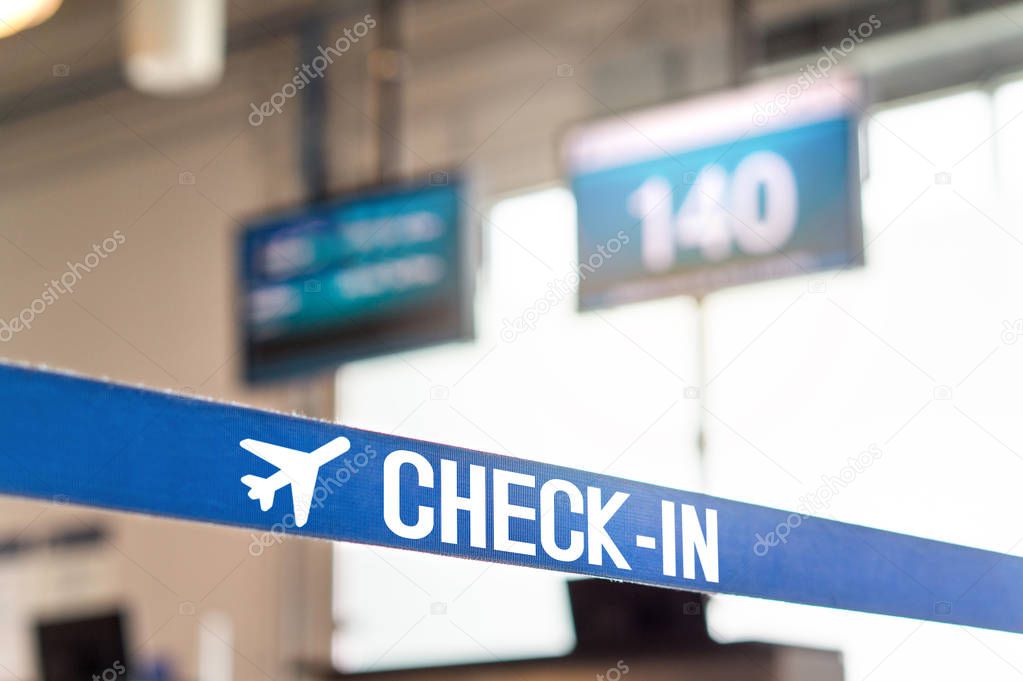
[[717, 194]]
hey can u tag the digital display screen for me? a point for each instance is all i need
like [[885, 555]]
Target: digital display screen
[[736, 187], [380, 271]]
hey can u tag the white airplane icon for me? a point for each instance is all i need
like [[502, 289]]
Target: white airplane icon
[[297, 468]]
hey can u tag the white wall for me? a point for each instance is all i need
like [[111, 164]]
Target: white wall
[[157, 311]]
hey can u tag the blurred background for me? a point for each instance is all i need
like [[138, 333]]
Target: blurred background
[[153, 147]]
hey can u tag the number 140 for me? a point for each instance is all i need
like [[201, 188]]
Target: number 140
[[756, 209]]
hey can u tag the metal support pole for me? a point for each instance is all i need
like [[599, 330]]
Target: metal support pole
[[315, 397], [742, 57], [701, 386], [743, 40], [386, 69], [312, 128]]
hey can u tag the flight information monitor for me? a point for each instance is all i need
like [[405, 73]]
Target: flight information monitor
[[740, 186], [367, 274]]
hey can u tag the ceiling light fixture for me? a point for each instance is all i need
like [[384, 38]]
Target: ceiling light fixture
[[17, 15]]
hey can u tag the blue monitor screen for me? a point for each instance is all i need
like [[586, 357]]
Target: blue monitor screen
[[726, 189], [358, 276]]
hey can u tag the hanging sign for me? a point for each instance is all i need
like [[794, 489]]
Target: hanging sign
[[741, 186]]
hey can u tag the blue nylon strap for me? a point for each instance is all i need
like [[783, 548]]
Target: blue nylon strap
[[93, 443]]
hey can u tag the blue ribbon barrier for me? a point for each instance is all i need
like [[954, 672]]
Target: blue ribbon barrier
[[95, 443]]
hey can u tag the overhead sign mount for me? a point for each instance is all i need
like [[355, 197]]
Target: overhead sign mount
[[89, 442]]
